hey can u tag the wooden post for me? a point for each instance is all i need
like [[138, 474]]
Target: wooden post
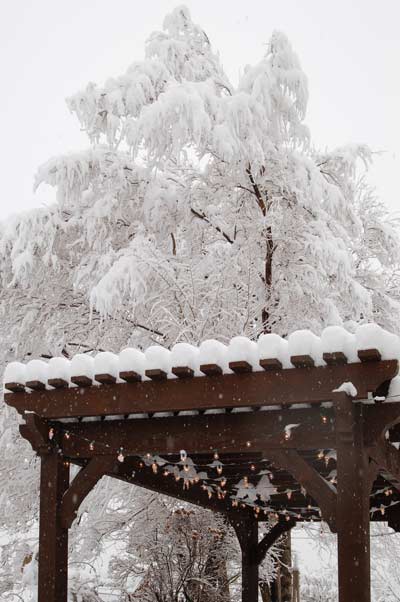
[[53, 538], [352, 502], [247, 534]]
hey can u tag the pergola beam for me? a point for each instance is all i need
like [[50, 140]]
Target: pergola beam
[[227, 433], [254, 389]]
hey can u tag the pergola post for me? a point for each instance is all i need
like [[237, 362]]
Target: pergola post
[[247, 534], [352, 502], [53, 537]]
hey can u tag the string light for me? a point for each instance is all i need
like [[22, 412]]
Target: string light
[[67, 435], [324, 418], [154, 467], [51, 434], [248, 443], [219, 469], [252, 467], [91, 445], [120, 456], [216, 456]]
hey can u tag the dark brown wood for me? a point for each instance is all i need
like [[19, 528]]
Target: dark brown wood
[[335, 359], [130, 376], [387, 459], [352, 502], [105, 379], [82, 485], [369, 355], [271, 364], [35, 385], [248, 445], [270, 538], [58, 383], [379, 418], [316, 486], [53, 537], [211, 369], [156, 374], [130, 471], [302, 361], [82, 381], [14, 387], [247, 534], [225, 432], [37, 432], [240, 367], [230, 390], [183, 372]]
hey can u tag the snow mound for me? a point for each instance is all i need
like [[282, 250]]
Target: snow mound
[[334, 339]]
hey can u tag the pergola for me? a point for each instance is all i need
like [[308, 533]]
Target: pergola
[[326, 449]]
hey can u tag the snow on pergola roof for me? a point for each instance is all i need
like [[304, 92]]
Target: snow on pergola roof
[[271, 352]]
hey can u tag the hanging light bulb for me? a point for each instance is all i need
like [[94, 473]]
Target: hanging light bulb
[[321, 454], [248, 443], [246, 482], [183, 455], [166, 472], [186, 468], [154, 467], [67, 435], [216, 456], [51, 434], [120, 456], [223, 482], [91, 445], [219, 469], [252, 467], [324, 418], [289, 494], [382, 509]]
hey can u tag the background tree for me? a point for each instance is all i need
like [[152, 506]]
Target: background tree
[[200, 210]]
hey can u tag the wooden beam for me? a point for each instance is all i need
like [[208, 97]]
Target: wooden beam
[[248, 432], [129, 472], [82, 485], [377, 419], [247, 534], [36, 431], [53, 537], [283, 387], [316, 486], [387, 458], [281, 527], [353, 502]]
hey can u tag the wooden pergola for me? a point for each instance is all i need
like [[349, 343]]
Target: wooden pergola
[[327, 454]]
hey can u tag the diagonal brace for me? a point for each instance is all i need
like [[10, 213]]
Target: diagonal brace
[[81, 486], [387, 457], [310, 479]]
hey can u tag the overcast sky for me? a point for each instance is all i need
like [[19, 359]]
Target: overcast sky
[[350, 51]]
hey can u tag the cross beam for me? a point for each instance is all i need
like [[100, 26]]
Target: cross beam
[[277, 387]]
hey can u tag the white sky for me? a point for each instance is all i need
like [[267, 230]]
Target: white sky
[[350, 51]]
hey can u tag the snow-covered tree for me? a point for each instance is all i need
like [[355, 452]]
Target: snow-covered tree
[[199, 210]]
